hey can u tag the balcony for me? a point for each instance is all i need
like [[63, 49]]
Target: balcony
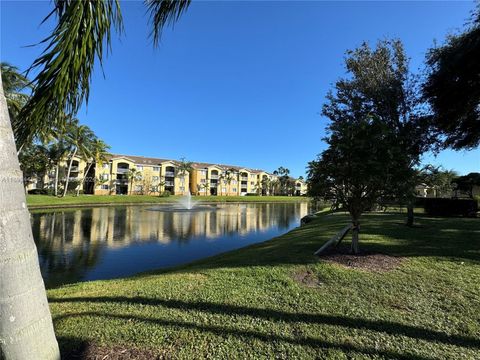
[[214, 177], [244, 178], [169, 183], [169, 174], [74, 169], [121, 182], [122, 171]]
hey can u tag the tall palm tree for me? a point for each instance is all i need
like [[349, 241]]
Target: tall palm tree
[[183, 169], [80, 138], [61, 86], [98, 151], [132, 175]]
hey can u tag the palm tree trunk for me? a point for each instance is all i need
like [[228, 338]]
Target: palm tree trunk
[[68, 172], [84, 177], [26, 329], [56, 179]]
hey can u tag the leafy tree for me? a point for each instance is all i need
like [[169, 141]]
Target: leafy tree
[[467, 183], [452, 87], [34, 162], [375, 134], [442, 181], [61, 86]]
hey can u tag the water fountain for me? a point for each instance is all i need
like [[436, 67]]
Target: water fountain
[[186, 201]]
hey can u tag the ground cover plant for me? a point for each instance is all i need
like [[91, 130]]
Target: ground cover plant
[[277, 300]]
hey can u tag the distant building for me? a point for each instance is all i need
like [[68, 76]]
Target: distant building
[[128, 175]]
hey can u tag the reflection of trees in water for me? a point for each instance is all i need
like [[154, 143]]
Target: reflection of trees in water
[[65, 252], [70, 242]]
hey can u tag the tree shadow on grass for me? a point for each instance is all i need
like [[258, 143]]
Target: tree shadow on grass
[[66, 344], [388, 327]]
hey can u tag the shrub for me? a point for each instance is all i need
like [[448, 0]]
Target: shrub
[[166, 193], [450, 207], [38, 192]]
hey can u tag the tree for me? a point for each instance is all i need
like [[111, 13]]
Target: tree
[[133, 175], [442, 181], [34, 162], [13, 85], [79, 138], [376, 134], [183, 169], [61, 86], [467, 183], [452, 87], [98, 150]]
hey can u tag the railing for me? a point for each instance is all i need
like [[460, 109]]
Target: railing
[[170, 174], [122, 171], [121, 182], [169, 183], [74, 169], [244, 178], [214, 177]]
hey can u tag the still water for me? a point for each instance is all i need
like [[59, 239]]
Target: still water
[[110, 242]]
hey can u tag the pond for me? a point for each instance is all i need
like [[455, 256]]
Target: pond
[[109, 242]]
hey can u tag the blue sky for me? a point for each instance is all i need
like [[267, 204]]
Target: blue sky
[[236, 82]]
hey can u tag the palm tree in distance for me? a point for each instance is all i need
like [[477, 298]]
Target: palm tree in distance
[[98, 151], [80, 138], [183, 169], [61, 86], [132, 175]]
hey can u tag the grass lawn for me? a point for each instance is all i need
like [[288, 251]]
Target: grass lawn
[[35, 201], [248, 303]]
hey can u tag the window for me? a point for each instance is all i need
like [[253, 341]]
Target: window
[[105, 165], [156, 168], [234, 182], [224, 189], [203, 181], [225, 182], [138, 188], [252, 176], [154, 188], [139, 167], [203, 172], [252, 183], [104, 187], [182, 188], [234, 189], [104, 177]]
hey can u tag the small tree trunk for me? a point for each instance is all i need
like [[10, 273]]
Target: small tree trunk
[[26, 329], [56, 180], [410, 217], [68, 172], [355, 230]]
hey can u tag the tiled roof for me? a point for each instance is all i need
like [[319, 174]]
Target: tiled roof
[[141, 160]]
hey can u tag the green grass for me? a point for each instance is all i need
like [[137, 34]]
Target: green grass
[[246, 303], [35, 201]]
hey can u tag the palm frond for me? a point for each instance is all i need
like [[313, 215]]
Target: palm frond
[[164, 12], [66, 65]]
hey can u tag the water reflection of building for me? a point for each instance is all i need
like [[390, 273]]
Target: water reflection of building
[[121, 226]]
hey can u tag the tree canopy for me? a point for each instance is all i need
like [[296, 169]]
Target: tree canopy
[[375, 133], [452, 87]]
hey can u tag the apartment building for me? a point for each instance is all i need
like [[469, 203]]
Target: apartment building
[[134, 175]]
